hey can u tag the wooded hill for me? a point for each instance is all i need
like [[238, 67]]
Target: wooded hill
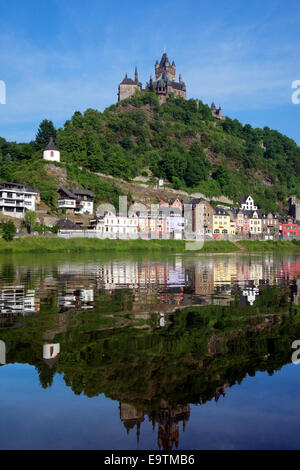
[[179, 141]]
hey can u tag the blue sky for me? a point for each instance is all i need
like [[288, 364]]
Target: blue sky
[[59, 56]]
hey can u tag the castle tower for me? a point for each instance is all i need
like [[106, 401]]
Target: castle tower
[[128, 86], [294, 208], [51, 152], [164, 66]]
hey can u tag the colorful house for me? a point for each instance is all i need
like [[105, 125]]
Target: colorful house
[[255, 223], [175, 203], [288, 228], [202, 217], [269, 225], [242, 222], [221, 222], [247, 203]]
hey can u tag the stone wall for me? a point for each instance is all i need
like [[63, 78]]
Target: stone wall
[[125, 91]]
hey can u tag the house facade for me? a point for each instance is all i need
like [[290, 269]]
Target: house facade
[[111, 225], [255, 223], [242, 222], [269, 225], [247, 203], [288, 228], [221, 222], [76, 201], [154, 226], [15, 199], [202, 217]]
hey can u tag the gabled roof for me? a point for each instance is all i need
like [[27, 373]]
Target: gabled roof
[[218, 211], [20, 186], [74, 193], [83, 192], [68, 192], [66, 224], [128, 81]]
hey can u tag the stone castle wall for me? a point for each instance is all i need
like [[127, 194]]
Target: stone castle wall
[[125, 91]]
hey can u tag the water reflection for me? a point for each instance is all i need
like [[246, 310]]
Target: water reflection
[[157, 336]]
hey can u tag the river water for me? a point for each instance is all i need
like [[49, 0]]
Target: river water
[[179, 352]]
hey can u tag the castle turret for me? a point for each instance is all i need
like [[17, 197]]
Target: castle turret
[[128, 86], [51, 152], [164, 66]]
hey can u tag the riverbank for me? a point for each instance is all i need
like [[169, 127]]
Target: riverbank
[[44, 244]]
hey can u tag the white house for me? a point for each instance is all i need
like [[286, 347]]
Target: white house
[[255, 223], [111, 225], [77, 201], [51, 152], [15, 199], [247, 203]]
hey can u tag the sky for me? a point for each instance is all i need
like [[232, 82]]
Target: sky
[[60, 56]]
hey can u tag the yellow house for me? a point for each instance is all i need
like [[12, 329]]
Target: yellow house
[[221, 223]]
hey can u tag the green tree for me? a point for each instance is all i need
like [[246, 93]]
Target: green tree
[[222, 176], [30, 219], [45, 131], [8, 230], [197, 166]]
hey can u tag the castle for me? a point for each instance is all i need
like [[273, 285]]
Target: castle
[[164, 85]]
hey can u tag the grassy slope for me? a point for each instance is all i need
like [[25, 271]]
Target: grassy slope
[[35, 244]]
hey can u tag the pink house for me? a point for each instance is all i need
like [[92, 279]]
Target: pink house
[[152, 227], [172, 203], [242, 223]]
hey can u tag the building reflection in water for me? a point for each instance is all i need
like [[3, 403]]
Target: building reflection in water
[[117, 325], [18, 301], [51, 353], [163, 286], [166, 419]]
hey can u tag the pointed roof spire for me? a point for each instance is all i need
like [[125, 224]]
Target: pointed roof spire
[[51, 145], [164, 60]]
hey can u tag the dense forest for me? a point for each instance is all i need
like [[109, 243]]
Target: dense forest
[[179, 141]]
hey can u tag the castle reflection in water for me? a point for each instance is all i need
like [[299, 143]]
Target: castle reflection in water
[[145, 289]]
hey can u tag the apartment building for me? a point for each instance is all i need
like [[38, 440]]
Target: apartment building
[[16, 198], [76, 201]]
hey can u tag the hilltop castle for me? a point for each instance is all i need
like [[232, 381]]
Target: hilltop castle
[[164, 85]]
